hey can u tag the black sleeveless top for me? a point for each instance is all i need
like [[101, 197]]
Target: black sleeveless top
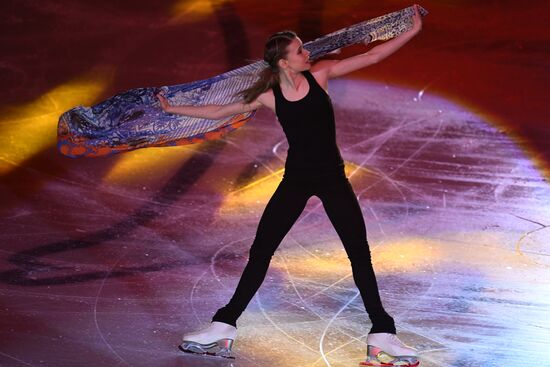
[[309, 127]]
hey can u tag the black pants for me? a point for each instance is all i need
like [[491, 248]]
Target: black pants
[[282, 211]]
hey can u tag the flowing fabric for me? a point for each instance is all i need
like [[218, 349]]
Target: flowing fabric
[[134, 119]]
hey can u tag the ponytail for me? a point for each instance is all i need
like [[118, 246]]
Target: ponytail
[[275, 49], [268, 78]]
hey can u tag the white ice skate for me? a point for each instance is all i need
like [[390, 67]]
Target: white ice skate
[[217, 340], [384, 349]]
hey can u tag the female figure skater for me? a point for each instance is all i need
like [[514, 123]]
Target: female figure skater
[[295, 90]]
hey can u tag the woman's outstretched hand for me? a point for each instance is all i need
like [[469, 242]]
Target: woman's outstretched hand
[[166, 107], [417, 20]]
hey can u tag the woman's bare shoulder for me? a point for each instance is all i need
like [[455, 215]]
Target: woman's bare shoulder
[[322, 66], [320, 71], [267, 99]]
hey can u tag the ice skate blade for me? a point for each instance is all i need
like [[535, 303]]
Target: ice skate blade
[[382, 364], [379, 358], [220, 348]]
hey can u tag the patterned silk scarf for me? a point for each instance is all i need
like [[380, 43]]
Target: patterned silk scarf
[[134, 119]]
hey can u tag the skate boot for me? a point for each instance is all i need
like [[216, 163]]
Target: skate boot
[[217, 340], [384, 349]]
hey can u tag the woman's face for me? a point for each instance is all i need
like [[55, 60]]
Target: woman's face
[[297, 58]]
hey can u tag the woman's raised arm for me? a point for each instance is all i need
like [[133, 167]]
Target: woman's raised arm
[[213, 112], [338, 68]]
